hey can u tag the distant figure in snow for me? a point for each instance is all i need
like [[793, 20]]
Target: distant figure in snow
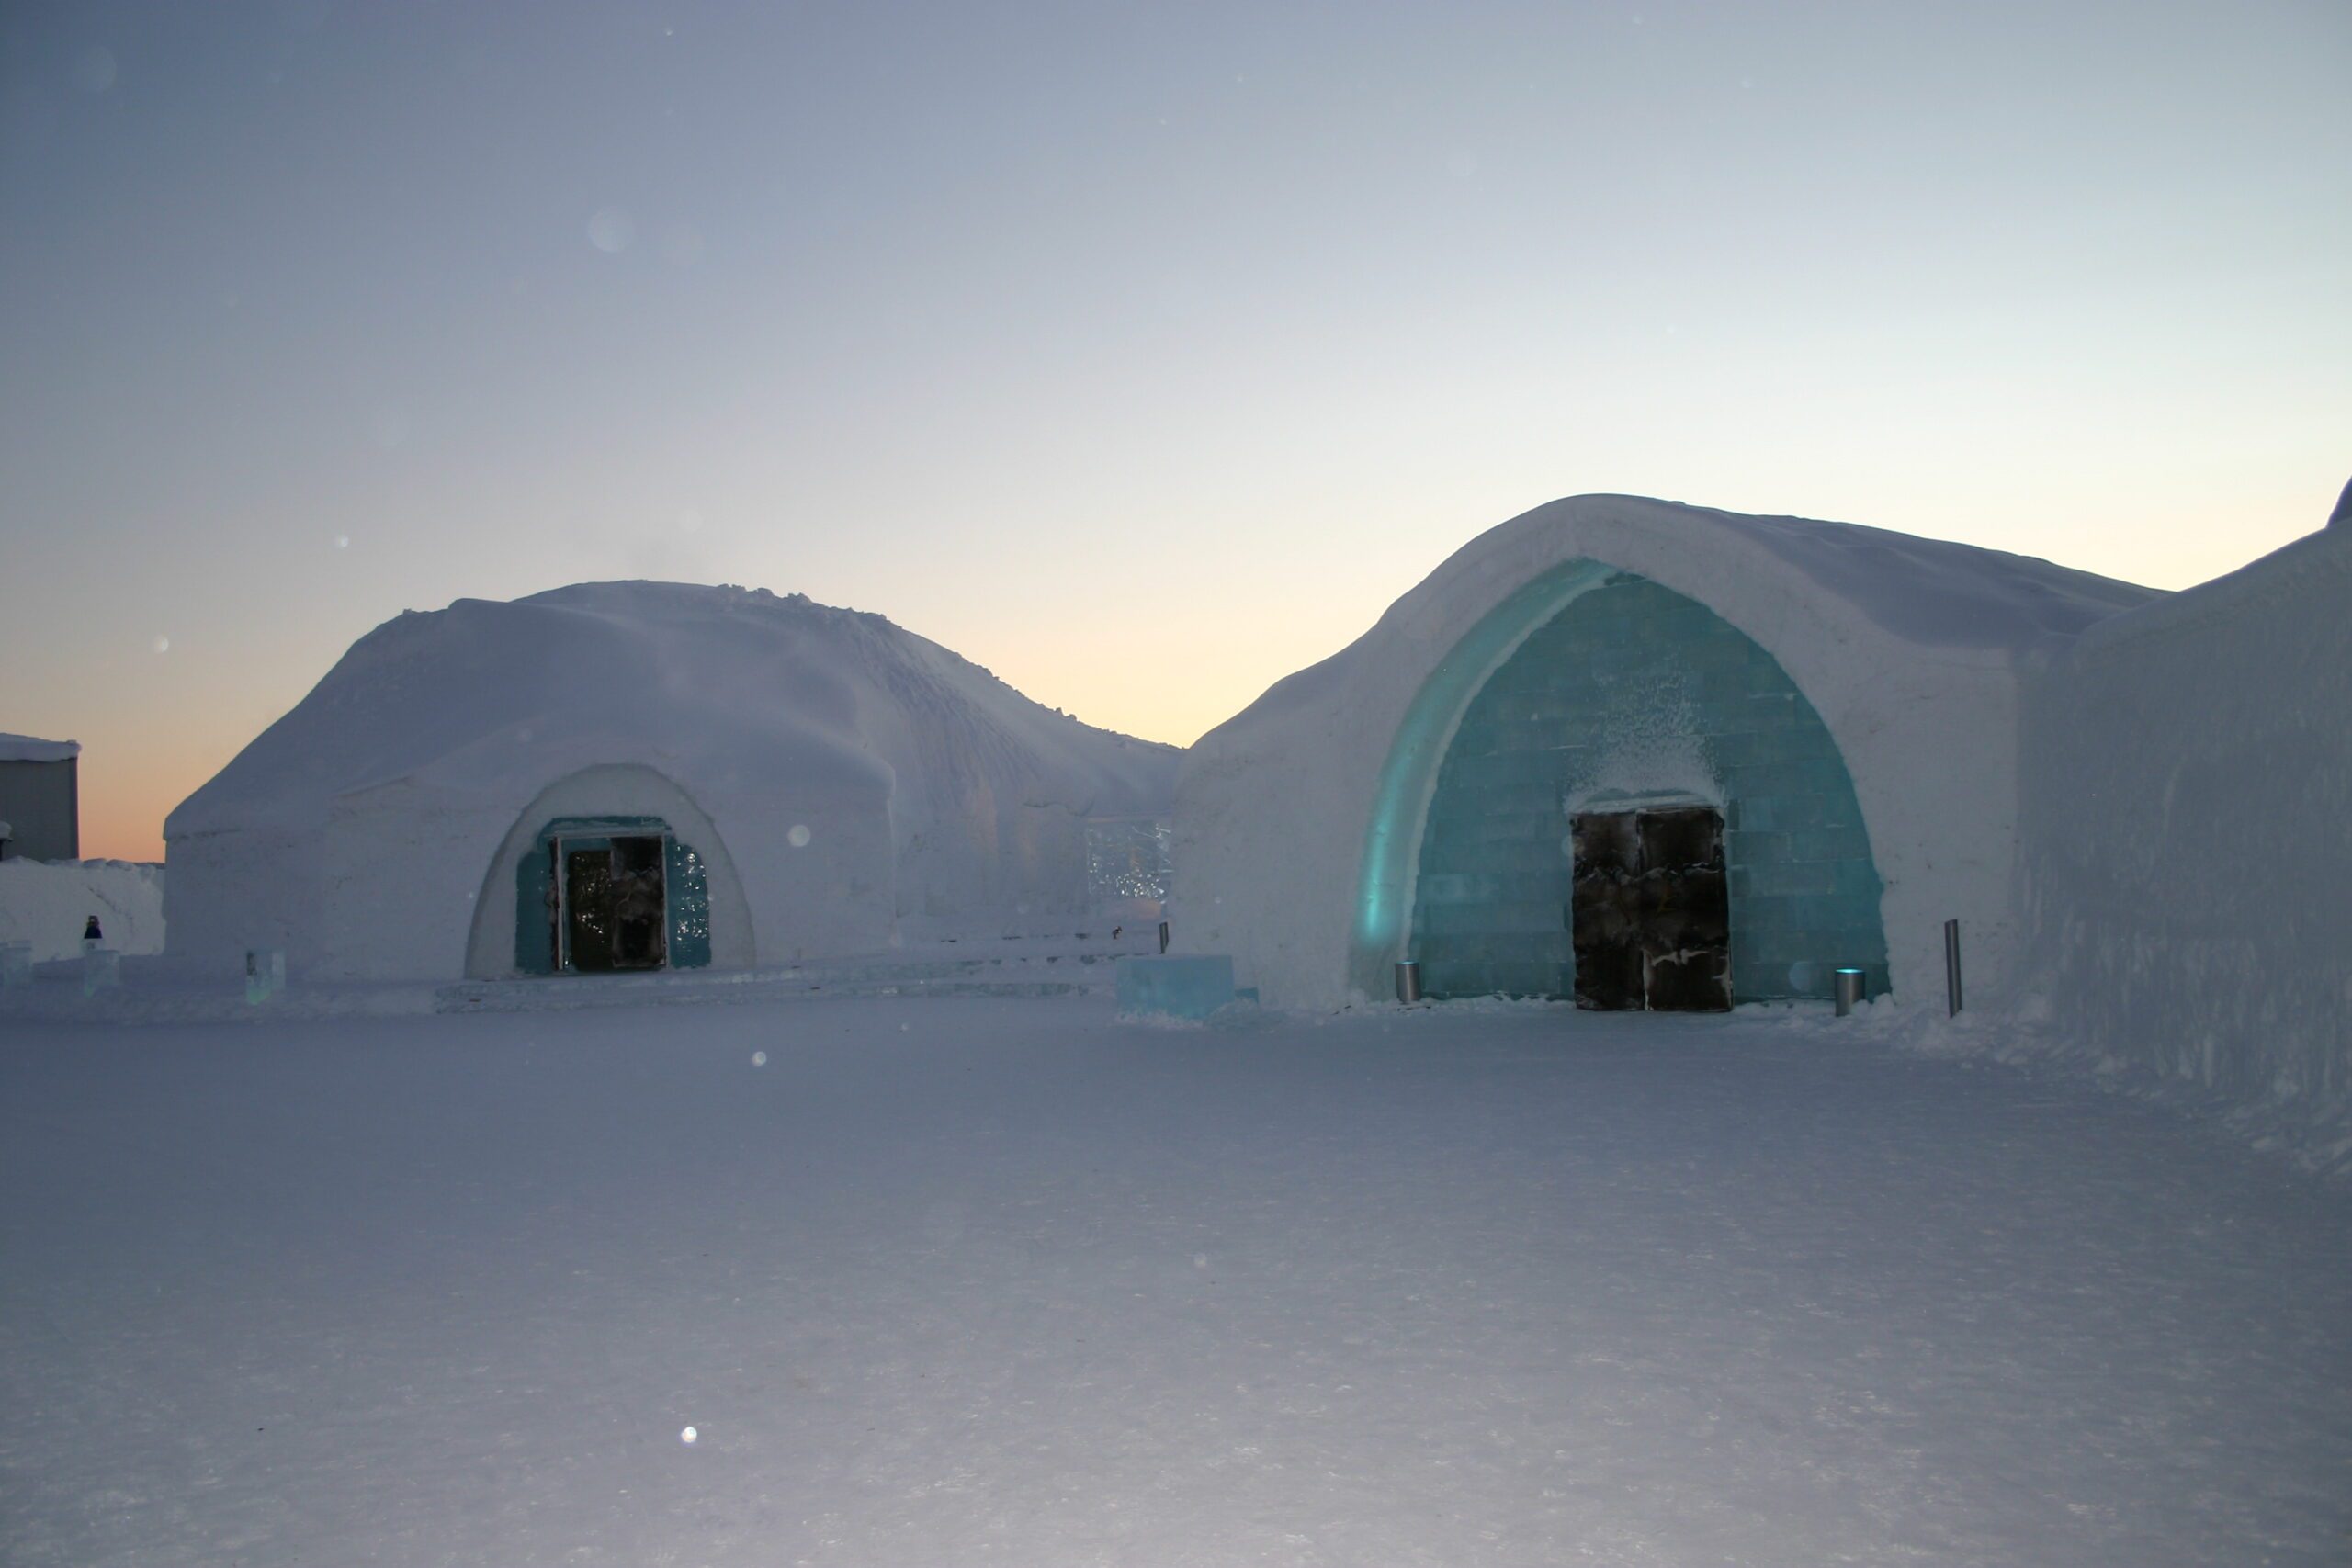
[[91, 936]]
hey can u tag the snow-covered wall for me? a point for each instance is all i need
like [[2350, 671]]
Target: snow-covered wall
[[1298, 822], [230, 891], [47, 903], [2187, 854]]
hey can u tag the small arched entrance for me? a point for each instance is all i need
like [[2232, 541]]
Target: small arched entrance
[[611, 869]]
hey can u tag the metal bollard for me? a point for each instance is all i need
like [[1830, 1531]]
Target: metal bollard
[[1850, 990], [1409, 980], [1163, 936], [1951, 966]]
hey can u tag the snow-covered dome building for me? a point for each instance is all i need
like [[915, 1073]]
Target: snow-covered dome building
[[1641, 753], [638, 775]]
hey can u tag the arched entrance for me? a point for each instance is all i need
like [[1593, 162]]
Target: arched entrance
[[610, 869], [1620, 756]]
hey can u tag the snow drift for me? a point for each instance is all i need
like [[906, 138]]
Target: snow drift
[[837, 774], [47, 902]]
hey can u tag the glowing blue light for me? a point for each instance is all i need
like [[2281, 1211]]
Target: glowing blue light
[[1392, 841]]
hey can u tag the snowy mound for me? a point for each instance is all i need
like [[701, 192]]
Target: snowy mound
[[821, 777], [46, 902], [486, 698]]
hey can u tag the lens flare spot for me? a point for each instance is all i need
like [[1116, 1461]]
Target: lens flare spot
[[759, 1058], [798, 836], [95, 72], [611, 229]]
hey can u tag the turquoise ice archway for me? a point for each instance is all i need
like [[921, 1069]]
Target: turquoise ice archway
[[1391, 839], [1463, 864]]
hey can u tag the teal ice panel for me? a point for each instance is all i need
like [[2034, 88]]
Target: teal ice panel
[[1622, 663], [534, 930], [689, 903], [1175, 987]]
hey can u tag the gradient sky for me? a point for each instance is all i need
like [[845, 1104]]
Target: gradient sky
[[1142, 353]]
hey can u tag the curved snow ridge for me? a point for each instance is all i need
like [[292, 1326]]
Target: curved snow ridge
[[1929, 593], [1842, 581], [1939, 593], [488, 698], [2260, 587], [1961, 603]]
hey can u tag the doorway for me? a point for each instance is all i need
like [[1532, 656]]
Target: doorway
[[612, 905], [1651, 917]]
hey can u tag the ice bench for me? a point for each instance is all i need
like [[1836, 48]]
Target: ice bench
[[1188, 987]]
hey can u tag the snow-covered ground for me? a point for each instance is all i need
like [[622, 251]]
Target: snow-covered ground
[[955, 1281]]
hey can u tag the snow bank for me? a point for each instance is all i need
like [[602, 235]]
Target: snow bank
[[47, 903], [2187, 778], [1298, 820], [26, 749], [2307, 1133], [849, 773]]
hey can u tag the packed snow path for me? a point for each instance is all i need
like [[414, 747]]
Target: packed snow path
[[945, 1282]]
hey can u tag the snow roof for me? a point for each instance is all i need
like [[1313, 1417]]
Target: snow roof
[[1930, 593], [27, 749], [724, 688], [1939, 599]]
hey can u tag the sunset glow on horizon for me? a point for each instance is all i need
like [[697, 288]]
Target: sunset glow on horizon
[[1141, 356]]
